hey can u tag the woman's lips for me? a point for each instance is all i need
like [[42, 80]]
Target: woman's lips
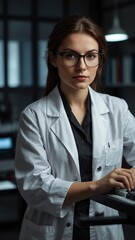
[[80, 77]]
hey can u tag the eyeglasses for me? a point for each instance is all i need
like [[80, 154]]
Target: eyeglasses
[[71, 58]]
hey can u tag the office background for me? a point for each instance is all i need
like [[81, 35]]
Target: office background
[[24, 29]]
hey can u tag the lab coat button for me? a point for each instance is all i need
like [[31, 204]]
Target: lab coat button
[[99, 168], [75, 178], [83, 142], [68, 224]]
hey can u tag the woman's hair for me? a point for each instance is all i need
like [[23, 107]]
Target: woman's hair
[[65, 27]]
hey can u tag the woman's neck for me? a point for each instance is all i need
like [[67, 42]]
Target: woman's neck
[[76, 98], [78, 102]]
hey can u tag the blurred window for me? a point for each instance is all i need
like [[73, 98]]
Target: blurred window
[[19, 54]]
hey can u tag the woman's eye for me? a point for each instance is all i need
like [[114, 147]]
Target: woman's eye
[[91, 56], [70, 56]]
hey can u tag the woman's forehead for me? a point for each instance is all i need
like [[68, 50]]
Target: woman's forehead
[[78, 41]]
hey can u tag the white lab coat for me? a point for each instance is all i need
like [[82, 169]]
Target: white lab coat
[[47, 163]]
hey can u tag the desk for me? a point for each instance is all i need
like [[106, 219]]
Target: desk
[[119, 203]]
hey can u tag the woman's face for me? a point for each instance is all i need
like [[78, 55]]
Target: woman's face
[[79, 76]]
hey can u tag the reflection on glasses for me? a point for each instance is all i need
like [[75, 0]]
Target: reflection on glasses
[[71, 58]]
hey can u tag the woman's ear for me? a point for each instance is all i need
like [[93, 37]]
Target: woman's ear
[[53, 59]]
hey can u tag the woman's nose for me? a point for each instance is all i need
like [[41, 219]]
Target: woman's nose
[[81, 63]]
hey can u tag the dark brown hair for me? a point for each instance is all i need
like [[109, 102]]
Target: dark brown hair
[[65, 27]]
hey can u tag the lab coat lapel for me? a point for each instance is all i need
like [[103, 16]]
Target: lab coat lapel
[[60, 124], [99, 123]]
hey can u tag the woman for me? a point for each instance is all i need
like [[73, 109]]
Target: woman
[[71, 142]]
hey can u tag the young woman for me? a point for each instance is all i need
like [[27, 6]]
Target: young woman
[[71, 142]]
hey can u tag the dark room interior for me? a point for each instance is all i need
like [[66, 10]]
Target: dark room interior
[[24, 29]]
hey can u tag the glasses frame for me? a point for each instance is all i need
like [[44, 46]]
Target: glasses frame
[[80, 56]]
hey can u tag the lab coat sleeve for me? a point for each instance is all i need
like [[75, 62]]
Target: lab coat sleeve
[[129, 136], [40, 189]]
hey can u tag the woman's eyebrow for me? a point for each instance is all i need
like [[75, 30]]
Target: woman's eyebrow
[[72, 50], [69, 49]]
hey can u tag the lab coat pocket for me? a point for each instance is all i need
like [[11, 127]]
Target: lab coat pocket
[[33, 231], [114, 150]]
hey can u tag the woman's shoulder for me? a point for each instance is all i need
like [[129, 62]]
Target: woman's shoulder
[[114, 101], [36, 106], [40, 105], [111, 102]]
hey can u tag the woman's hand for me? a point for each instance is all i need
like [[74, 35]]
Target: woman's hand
[[119, 177]]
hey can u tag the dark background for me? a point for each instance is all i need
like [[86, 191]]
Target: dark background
[[24, 29]]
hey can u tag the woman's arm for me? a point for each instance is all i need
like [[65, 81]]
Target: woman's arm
[[120, 177]]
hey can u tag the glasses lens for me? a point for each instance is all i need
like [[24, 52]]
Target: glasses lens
[[92, 59], [70, 59]]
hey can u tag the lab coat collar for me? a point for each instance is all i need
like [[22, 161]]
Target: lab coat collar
[[62, 129], [97, 102], [100, 122], [60, 125], [56, 105]]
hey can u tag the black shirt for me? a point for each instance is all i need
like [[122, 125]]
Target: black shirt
[[83, 137]]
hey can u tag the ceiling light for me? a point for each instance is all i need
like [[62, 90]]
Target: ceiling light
[[116, 33]]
